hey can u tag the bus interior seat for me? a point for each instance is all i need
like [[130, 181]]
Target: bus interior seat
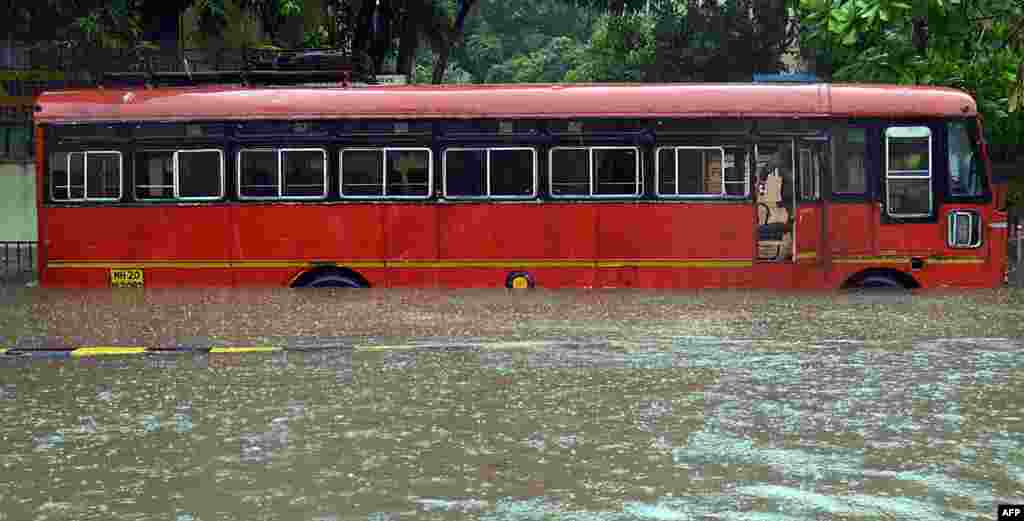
[[774, 232]]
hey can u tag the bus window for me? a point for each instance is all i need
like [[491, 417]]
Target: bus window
[[737, 176], [103, 175], [86, 176], [965, 176], [304, 173], [362, 173], [908, 171], [408, 172], [513, 172], [200, 174], [63, 185], [692, 171], [595, 171], [465, 172], [493, 172], [570, 171], [258, 175], [154, 174], [616, 171], [182, 174], [851, 178]]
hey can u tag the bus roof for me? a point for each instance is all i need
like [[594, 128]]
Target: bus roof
[[219, 103]]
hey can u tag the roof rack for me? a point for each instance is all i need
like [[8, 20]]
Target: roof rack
[[243, 77]]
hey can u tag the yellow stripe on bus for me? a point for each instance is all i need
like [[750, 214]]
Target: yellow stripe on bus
[[871, 260], [956, 260], [495, 264], [107, 350], [471, 263]]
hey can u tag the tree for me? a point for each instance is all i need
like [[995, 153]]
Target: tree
[[972, 45]]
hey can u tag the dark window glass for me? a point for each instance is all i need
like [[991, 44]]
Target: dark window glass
[[851, 177], [408, 173], [512, 172], [734, 164], [154, 174], [570, 171], [616, 172], [199, 173], [466, 173], [76, 174], [104, 175], [965, 174], [259, 175], [362, 173], [667, 171], [304, 173], [909, 197]]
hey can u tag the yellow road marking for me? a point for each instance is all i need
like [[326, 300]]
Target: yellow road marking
[[106, 350], [254, 349]]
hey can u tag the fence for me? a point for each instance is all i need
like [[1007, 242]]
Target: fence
[[18, 262], [1015, 253]]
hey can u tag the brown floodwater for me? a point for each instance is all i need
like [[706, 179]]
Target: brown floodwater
[[522, 405]]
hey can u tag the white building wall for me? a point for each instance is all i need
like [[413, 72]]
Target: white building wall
[[17, 201]]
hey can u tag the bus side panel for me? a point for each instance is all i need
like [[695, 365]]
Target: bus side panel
[[190, 242], [911, 238], [851, 228], [685, 231], [541, 236], [680, 235], [309, 232], [411, 235]]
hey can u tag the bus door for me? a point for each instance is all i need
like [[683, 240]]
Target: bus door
[[812, 165], [775, 163]]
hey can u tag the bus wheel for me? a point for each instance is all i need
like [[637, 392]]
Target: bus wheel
[[881, 282], [334, 278], [881, 279]]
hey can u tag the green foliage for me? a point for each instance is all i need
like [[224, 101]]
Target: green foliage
[[503, 37], [621, 48]]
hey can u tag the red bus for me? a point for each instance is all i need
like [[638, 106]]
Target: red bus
[[656, 186]]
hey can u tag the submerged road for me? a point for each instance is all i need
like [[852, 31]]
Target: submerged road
[[495, 405]]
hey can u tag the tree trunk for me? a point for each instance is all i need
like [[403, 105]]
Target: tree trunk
[[361, 42], [441, 63], [408, 43], [382, 36], [616, 7]]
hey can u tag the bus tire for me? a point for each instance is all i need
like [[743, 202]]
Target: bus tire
[[333, 281], [330, 278], [880, 282]]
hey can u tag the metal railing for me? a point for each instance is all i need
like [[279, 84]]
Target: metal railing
[[18, 262]]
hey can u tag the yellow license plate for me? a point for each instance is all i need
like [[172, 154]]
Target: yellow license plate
[[126, 278]]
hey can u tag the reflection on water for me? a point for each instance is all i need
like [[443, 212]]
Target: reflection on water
[[512, 406]]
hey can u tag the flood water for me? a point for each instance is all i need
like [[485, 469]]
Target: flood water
[[497, 405]]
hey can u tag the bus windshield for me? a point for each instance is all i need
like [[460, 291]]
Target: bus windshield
[[965, 174]]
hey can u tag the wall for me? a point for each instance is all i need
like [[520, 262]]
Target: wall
[[17, 201]]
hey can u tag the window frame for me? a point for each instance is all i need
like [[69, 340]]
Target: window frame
[[175, 179], [85, 178], [814, 176], [487, 174], [889, 176], [590, 169], [724, 193], [384, 173], [279, 151]]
